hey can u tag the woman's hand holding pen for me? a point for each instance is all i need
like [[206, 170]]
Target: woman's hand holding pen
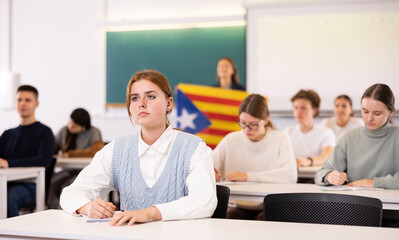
[[336, 177], [131, 217], [97, 209]]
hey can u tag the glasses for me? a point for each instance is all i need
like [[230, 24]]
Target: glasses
[[251, 126]]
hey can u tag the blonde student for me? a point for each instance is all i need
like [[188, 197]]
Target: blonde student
[[312, 143], [160, 173], [367, 156], [343, 119], [257, 153]]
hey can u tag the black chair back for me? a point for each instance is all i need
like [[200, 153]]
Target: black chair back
[[323, 208], [223, 194]]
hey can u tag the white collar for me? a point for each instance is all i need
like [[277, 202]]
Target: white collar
[[161, 144]]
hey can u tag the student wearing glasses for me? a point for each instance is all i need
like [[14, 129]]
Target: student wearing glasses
[[312, 143], [257, 153]]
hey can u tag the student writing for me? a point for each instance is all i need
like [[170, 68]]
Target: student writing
[[78, 139], [159, 172], [367, 156], [256, 153]]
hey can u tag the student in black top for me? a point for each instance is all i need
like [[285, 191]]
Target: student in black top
[[227, 75], [30, 144]]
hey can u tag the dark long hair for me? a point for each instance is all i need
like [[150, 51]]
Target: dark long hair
[[256, 106], [81, 117], [382, 93], [234, 78]]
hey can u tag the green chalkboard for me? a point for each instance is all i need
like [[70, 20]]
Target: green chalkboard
[[182, 55]]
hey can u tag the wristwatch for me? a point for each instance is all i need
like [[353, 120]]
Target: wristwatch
[[311, 161]]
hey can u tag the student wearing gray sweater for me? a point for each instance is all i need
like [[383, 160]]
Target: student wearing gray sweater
[[367, 156]]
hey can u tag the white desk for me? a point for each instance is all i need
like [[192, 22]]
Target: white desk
[[307, 172], [35, 174], [256, 192], [73, 163], [55, 224]]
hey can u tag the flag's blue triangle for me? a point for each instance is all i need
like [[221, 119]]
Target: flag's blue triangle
[[189, 117]]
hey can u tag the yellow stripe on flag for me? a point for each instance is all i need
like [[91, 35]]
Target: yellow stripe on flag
[[216, 108], [224, 125], [209, 138], [212, 91]]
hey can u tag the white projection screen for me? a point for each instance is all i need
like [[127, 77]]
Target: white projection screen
[[333, 47]]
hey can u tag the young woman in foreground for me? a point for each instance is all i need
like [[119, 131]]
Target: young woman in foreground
[[367, 156], [160, 173]]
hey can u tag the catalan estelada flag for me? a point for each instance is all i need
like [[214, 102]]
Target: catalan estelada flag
[[208, 112]]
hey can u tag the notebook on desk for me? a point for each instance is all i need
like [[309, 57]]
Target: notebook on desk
[[347, 188], [88, 219]]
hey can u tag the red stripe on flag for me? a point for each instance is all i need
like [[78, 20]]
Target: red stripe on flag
[[217, 132], [211, 146], [203, 98], [221, 116]]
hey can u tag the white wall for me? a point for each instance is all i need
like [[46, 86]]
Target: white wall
[[333, 47]]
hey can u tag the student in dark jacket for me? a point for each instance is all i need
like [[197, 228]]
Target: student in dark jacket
[[31, 144]]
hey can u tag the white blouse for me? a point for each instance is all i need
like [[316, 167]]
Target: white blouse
[[354, 122], [96, 178]]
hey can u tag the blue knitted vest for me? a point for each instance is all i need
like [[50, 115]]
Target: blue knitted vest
[[128, 178]]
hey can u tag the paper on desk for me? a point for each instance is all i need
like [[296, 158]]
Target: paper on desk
[[88, 219], [347, 188]]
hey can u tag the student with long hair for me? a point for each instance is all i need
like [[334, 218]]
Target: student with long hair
[[227, 75], [257, 153], [367, 156], [344, 119], [160, 173], [312, 143]]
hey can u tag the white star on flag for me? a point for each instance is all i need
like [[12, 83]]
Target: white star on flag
[[186, 119]]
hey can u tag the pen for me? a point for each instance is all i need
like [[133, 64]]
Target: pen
[[332, 165], [94, 194]]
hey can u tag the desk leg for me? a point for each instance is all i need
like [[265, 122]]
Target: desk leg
[[40, 191], [3, 197]]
